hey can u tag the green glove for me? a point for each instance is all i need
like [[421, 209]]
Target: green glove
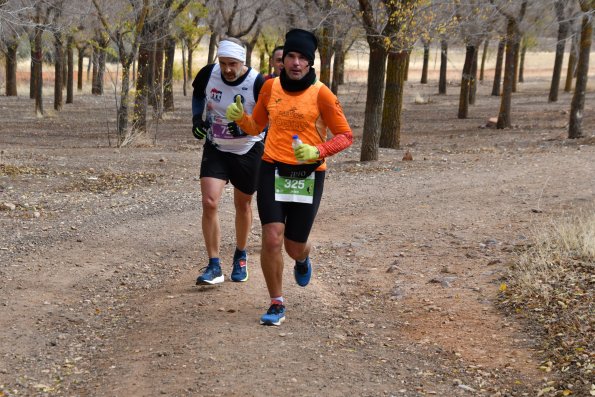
[[235, 111], [306, 152]]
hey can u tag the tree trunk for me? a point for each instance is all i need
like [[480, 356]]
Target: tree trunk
[[506, 99], [70, 70], [517, 52], [498, 68], [184, 73], [466, 81], [190, 60], [134, 61], [390, 136], [486, 44], [443, 67], [156, 99], [79, 76], [124, 103], [338, 65], [424, 69], [212, 47], [571, 65], [32, 64], [38, 71], [168, 74], [325, 49], [58, 70], [249, 51], [141, 98], [407, 69], [32, 74], [11, 68], [473, 85], [522, 61], [558, 60], [95, 72], [91, 61], [101, 55], [341, 75], [577, 107], [64, 67], [374, 95], [263, 65], [151, 83]]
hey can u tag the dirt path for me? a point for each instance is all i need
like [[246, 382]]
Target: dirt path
[[98, 295]]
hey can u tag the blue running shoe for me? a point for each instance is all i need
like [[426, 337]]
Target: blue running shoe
[[274, 316], [239, 273], [212, 275], [302, 272]]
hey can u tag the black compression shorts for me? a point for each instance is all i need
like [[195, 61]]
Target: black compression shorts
[[297, 217]]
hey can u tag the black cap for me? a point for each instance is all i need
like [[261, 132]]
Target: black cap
[[302, 41]]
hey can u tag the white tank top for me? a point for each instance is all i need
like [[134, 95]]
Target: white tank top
[[219, 96]]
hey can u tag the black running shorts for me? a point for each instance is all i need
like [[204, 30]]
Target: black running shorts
[[297, 217], [240, 170]]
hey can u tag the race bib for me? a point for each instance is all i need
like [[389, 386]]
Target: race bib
[[219, 131], [296, 190]]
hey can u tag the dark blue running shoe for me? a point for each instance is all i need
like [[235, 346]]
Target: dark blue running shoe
[[274, 316], [239, 273], [212, 275], [302, 272]]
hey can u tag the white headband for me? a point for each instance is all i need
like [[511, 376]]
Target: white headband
[[229, 49]]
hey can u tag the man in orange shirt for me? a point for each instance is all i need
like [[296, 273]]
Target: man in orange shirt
[[291, 180]]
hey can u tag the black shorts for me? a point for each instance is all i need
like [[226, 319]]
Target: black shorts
[[297, 217], [239, 169]]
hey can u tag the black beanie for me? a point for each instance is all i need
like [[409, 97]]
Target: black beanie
[[302, 41]]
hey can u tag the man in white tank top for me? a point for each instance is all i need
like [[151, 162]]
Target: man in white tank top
[[229, 154]]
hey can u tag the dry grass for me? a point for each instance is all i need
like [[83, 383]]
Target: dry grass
[[13, 170], [552, 286], [109, 182]]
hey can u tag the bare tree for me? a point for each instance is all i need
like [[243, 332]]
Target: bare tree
[[168, 74], [41, 16], [69, 69], [498, 67], [577, 107], [243, 20], [374, 21], [191, 29], [347, 32], [14, 16], [443, 66], [444, 27], [150, 64], [407, 21], [564, 9], [126, 39], [9, 45], [572, 56], [100, 45], [484, 53], [470, 15], [56, 9], [426, 60], [513, 13]]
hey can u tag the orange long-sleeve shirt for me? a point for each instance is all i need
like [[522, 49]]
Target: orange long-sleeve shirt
[[307, 113]]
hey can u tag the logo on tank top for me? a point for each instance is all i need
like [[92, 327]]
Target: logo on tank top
[[216, 95], [291, 119]]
